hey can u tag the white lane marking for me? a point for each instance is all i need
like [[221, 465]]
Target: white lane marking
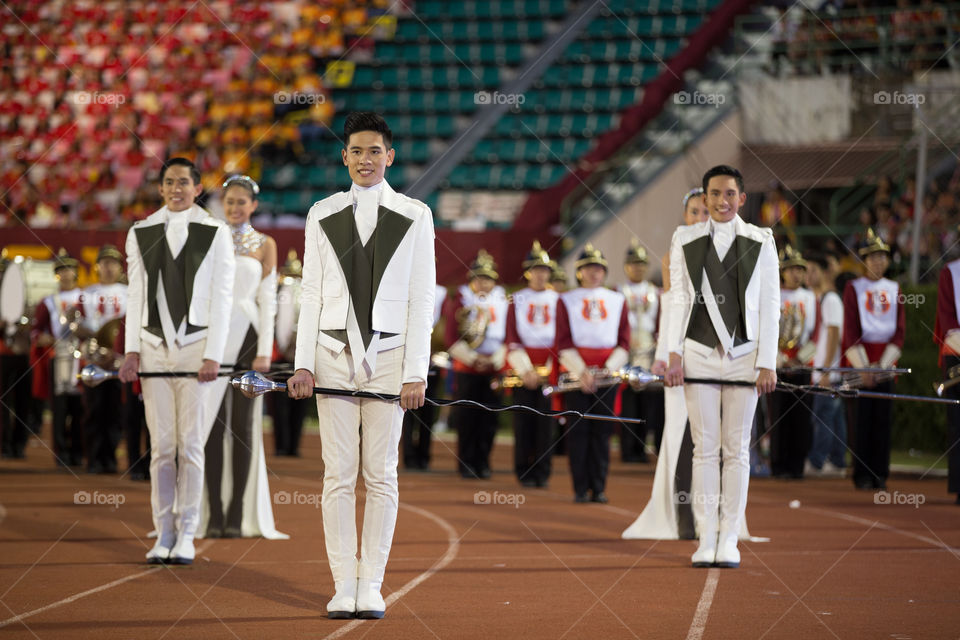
[[880, 525], [453, 546], [89, 592], [699, 623]]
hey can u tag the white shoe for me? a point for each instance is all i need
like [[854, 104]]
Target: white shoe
[[810, 470], [182, 552], [728, 556], [706, 553], [833, 471], [344, 603], [370, 604], [159, 554]]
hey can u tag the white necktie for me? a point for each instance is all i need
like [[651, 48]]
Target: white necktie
[[368, 202], [176, 232], [722, 238]]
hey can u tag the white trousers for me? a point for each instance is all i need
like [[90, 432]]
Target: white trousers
[[354, 430], [175, 410], [720, 421]]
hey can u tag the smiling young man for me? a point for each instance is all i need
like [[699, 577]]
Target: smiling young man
[[724, 324], [180, 266], [366, 315]]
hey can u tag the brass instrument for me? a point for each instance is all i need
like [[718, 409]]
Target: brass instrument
[[98, 349], [472, 322], [791, 327], [510, 380], [953, 378]]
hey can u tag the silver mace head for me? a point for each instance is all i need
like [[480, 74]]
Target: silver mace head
[[92, 375], [253, 384], [639, 378]]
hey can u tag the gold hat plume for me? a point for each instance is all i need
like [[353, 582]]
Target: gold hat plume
[[873, 244], [483, 265], [591, 255], [537, 257], [558, 275], [64, 261], [790, 257], [636, 253]]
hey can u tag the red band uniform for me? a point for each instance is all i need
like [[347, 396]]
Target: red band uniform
[[874, 324], [592, 331]]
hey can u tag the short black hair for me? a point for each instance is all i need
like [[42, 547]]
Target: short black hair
[[723, 170], [180, 162], [367, 121]]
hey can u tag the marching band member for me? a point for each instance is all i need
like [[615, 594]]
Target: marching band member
[[54, 337], [593, 333], [249, 346], [103, 306], [475, 332], [947, 336], [874, 323], [531, 332], [558, 277], [288, 414], [643, 306], [725, 302], [790, 437], [181, 267], [418, 423]]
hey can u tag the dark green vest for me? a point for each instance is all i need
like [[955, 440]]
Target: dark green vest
[[728, 281], [363, 265], [177, 273]]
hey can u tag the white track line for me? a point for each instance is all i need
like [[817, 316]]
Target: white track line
[[89, 592], [880, 525], [453, 546], [699, 623]]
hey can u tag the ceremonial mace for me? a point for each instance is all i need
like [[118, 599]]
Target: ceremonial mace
[[92, 375], [638, 378], [252, 384]]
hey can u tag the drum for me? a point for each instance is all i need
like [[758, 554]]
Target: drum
[[25, 284]]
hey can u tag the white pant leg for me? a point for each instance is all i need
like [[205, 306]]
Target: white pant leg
[[340, 439], [703, 407], [160, 412], [739, 405], [382, 423], [193, 428]]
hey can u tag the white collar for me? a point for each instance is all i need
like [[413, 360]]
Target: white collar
[[376, 187]]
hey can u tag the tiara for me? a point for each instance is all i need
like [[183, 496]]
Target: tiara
[[246, 181], [693, 192]]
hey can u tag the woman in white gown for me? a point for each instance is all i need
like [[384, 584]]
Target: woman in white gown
[[237, 499], [667, 515]]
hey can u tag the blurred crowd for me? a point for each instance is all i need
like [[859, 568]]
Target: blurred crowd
[[95, 95], [907, 35]]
